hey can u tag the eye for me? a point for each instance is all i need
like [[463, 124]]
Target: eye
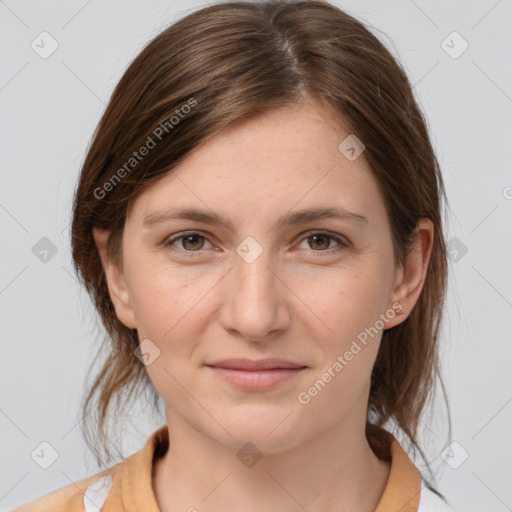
[[320, 241], [191, 241]]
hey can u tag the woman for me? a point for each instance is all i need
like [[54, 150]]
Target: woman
[[258, 221]]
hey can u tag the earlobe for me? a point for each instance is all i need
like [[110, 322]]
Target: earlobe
[[412, 277], [118, 291]]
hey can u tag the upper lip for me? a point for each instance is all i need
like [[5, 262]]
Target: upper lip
[[254, 365]]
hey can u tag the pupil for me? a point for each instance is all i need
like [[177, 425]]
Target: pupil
[[192, 237], [316, 237]]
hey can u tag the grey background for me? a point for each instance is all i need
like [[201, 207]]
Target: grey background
[[47, 328]]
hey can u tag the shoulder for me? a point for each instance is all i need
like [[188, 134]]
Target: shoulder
[[86, 495], [431, 502], [113, 490]]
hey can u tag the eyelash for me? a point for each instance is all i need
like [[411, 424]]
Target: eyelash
[[343, 243]]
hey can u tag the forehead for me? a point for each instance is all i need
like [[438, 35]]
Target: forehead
[[275, 161]]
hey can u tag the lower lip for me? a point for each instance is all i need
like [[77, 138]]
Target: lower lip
[[256, 380]]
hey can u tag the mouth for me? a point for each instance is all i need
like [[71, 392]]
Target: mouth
[[256, 375]]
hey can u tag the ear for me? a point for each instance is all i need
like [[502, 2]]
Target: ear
[[118, 291], [411, 277]]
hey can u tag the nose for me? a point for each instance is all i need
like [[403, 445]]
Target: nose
[[256, 299]]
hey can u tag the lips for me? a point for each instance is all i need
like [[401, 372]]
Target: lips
[[256, 375], [256, 365]]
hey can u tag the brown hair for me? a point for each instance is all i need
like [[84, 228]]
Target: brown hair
[[226, 62]]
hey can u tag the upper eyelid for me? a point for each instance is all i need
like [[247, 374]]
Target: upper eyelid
[[183, 234]]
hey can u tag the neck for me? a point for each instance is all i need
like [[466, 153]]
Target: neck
[[334, 471]]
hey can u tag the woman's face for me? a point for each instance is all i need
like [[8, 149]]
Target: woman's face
[[261, 281]]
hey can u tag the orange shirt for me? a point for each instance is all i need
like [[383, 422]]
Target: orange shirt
[[126, 487]]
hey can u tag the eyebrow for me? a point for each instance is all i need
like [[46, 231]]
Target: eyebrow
[[290, 219]]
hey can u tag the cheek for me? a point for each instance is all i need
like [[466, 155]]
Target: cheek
[[345, 302], [348, 338], [347, 328], [168, 302], [167, 309]]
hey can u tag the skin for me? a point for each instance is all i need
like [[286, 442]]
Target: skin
[[294, 301]]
